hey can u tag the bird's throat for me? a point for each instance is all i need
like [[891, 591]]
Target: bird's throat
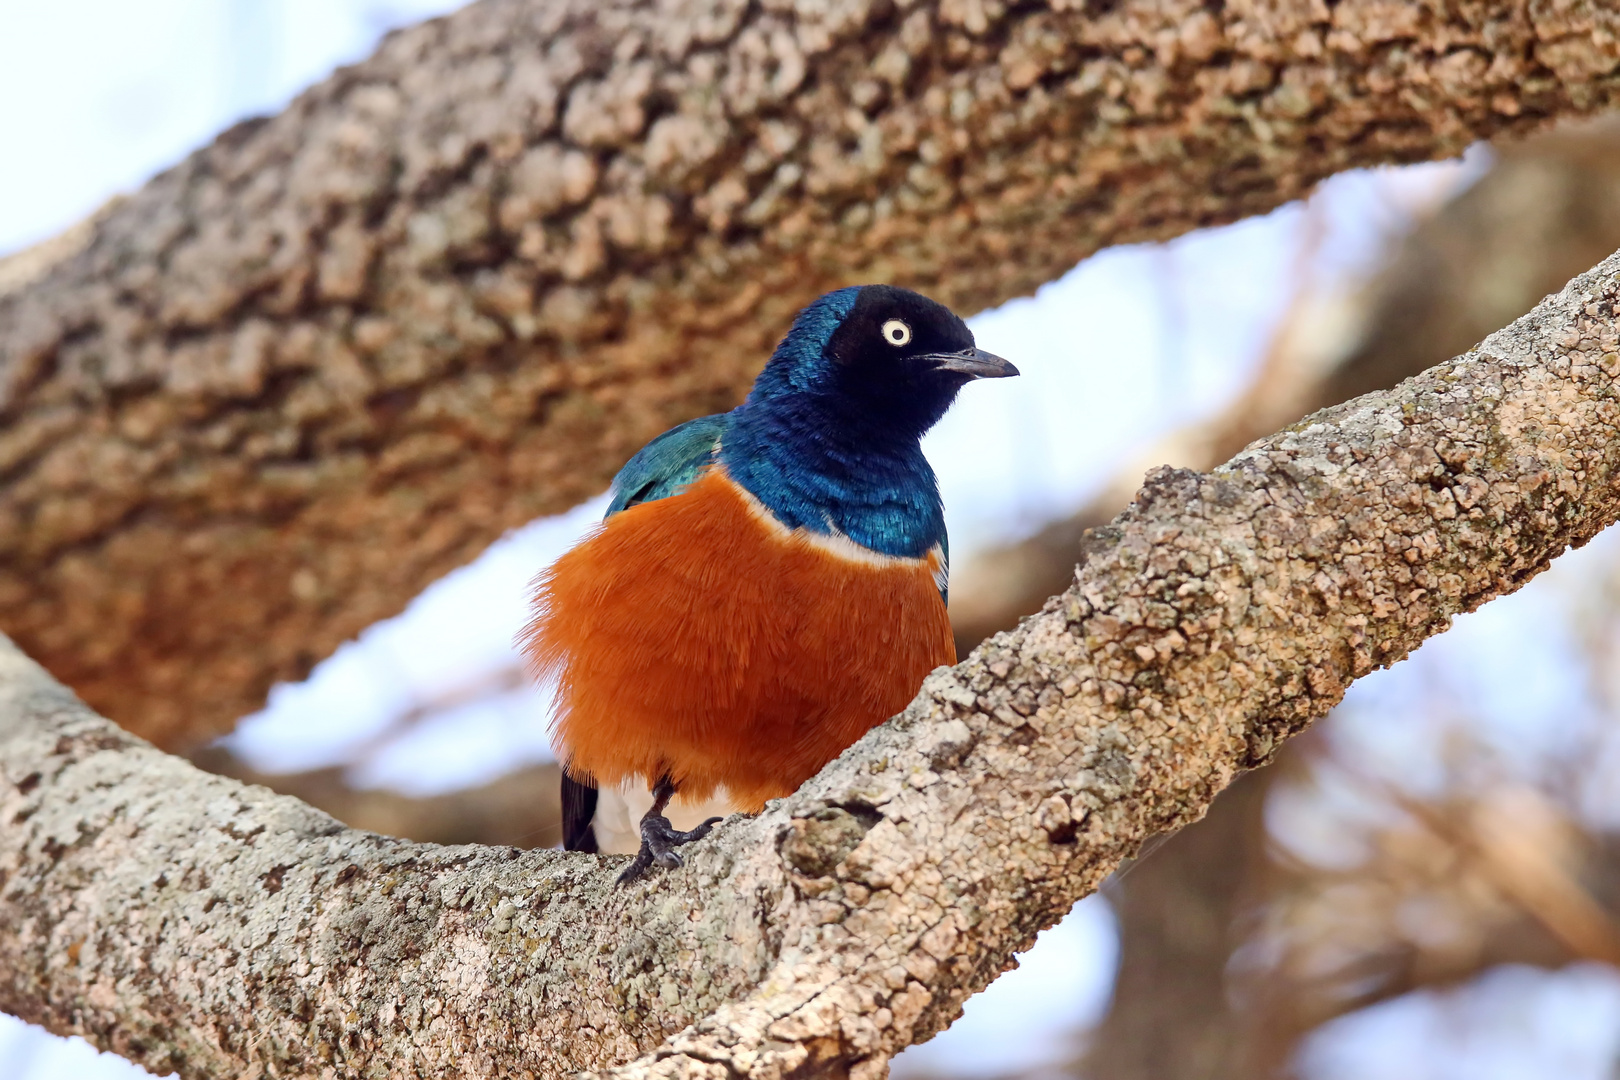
[[816, 469]]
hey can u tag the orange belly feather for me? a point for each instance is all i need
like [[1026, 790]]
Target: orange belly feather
[[698, 637]]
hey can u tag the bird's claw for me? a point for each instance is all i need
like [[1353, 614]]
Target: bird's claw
[[659, 839]]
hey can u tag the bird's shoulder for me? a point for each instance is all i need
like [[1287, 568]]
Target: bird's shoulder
[[667, 464]]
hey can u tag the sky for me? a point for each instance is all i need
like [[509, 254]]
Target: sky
[[100, 94], [97, 95]]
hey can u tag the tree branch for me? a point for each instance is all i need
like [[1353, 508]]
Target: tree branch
[[263, 401], [194, 924]]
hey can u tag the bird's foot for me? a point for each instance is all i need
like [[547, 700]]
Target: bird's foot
[[659, 839]]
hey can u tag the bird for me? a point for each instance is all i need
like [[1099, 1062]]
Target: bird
[[767, 583]]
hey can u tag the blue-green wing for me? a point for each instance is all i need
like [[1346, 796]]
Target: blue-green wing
[[667, 464]]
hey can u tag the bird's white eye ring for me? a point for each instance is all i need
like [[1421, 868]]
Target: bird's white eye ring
[[896, 333]]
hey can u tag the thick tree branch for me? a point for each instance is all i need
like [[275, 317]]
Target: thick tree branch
[[195, 924], [262, 402]]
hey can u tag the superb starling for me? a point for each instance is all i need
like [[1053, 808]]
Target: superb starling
[[767, 584]]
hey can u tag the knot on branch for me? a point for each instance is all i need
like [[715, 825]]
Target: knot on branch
[[816, 843]]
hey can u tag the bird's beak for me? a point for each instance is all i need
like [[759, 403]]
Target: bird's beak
[[974, 363]]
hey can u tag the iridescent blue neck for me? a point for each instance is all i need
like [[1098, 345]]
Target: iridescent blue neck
[[816, 467]]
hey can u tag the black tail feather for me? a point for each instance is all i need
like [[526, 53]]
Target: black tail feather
[[578, 810]]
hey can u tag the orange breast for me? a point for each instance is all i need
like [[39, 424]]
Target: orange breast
[[696, 636]]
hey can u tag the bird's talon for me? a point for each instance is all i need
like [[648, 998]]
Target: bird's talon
[[638, 867], [659, 839]]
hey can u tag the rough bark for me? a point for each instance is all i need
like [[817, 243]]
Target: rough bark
[[263, 401], [195, 924]]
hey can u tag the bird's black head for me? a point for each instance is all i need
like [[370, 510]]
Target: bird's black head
[[880, 356]]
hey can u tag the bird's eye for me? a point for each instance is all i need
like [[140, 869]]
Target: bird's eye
[[896, 332]]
